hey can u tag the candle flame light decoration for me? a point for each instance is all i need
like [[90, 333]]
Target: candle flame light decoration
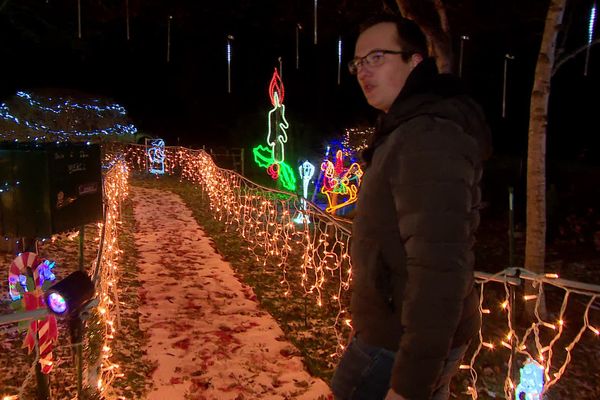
[[273, 157], [264, 218]]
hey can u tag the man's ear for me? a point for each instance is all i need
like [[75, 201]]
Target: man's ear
[[415, 59]]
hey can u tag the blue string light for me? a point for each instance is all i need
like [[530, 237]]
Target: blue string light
[[42, 132]]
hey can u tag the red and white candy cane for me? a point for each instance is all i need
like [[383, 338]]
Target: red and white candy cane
[[45, 329]]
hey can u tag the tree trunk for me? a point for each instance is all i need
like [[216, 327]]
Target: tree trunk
[[435, 28], [535, 245]]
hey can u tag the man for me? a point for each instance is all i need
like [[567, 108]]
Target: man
[[414, 307]]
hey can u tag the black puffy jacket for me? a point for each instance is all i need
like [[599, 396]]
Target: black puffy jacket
[[413, 233]]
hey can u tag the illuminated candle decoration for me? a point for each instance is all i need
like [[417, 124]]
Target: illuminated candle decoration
[[339, 66], [273, 157], [591, 24], [340, 183], [27, 292], [230, 38], [307, 170], [531, 382], [156, 157]]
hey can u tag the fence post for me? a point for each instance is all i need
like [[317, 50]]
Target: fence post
[[513, 321]]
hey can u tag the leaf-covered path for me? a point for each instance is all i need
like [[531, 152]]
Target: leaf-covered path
[[206, 333]]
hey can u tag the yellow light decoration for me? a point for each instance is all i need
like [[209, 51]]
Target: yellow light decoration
[[263, 217]]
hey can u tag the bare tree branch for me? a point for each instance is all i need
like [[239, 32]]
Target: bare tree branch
[[573, 55]]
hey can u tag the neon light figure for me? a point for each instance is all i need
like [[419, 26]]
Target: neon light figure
[[273, 157], [531, 381], [338, 181], [307, 170], [156, 155]]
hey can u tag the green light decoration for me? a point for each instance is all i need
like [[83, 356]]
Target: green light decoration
[[273, 157]]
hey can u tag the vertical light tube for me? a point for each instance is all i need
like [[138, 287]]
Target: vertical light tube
[[507, 57], [315, 21], [127, 18], [79, 19], [298, 28], [339, 66], [229, 39], [590, 37], [461, 55], [169, 38]]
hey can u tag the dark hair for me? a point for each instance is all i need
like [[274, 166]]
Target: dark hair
[[410, 36]]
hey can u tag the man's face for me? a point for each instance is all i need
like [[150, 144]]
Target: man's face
[[382, 84]]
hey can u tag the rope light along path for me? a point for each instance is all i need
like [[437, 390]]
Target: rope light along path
[[264, 218]]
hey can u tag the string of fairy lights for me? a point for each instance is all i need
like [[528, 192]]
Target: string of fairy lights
[[318, 253], [106, 271], [54, 109], [264, 218]]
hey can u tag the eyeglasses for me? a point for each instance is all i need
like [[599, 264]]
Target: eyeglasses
[[374, 59]]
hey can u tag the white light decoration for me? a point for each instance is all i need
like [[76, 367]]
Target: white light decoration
[[298, 29], [79, 19], [531, 382], [315, 20], [461, 55], [156, 157], [507, 58], [307, 170], [41, 131], [228, 51], [339, 66], [127, 19], [169, 19], [591, 24]]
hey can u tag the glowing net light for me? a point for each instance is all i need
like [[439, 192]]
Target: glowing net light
[[531, 382]]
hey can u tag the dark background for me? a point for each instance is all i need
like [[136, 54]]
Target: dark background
[[186, 101]]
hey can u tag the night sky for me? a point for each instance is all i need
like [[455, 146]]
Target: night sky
[[186, 100]]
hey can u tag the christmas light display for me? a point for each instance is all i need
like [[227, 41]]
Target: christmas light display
[[106, 266], [230, 38], [263, 217], [156, 156], [47, 109], [357, 139], [27, 293], [273, 157], [339, 66], [531, 383], [339, 182], [591, 23], [306, 170]]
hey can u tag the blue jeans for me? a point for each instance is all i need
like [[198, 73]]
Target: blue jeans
[[364, 372]]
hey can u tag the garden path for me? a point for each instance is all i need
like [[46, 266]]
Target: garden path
[[206, 333]]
